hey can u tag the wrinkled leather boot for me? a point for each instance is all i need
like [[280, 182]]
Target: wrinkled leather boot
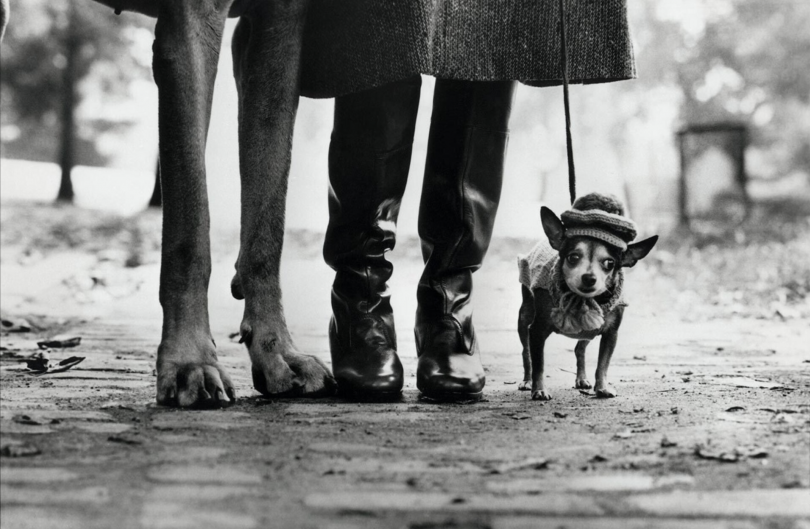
[[460, 194], [369, 158]]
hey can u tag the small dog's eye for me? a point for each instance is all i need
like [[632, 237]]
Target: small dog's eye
[[572, 259], [608, 264]]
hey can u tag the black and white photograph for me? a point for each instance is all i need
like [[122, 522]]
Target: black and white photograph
[[405, 264]]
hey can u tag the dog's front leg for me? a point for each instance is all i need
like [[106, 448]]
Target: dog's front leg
[[582, 377], [606, 347], [267, 50], [186, 48]]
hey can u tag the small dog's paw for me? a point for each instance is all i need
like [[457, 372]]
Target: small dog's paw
[[540, 394], [606, 392], [526, 385], [582, 383]]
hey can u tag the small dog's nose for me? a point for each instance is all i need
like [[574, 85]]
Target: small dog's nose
[[589, 280]]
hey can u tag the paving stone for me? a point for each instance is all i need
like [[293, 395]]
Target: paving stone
[[203, 474], [738, 503], [606, 483], [13, 427], [372, 501], [40, 496], [189, 492], [165, 515], [347, 448], [101, 427], [45, 416], [209, 420], [602, 522], [20, 517], [35, 475], [191, 453]]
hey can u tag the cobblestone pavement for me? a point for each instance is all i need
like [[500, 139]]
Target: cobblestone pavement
[[710, 428]]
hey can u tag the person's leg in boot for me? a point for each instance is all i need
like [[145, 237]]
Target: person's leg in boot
[[369, 158], [460, 194]]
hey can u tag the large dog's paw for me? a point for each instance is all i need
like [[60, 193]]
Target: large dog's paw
[[582, 383], [526, 385], [540, 394], [292, 375], [605, 391], [279, 370], [192, 378]]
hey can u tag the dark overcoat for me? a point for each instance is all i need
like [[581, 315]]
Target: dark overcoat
[[351, 45]]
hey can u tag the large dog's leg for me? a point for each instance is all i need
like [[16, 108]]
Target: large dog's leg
[[267, 49], [186, 49]]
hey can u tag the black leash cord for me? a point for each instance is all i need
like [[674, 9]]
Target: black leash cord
[[572, 178]]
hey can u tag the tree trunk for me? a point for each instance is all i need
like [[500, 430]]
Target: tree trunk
[[157, 197], [69, 98]]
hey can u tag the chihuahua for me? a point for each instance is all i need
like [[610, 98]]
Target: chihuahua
[[572, 285]]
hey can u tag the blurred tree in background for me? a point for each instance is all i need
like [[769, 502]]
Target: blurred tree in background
[[734, 60], [56, 56]]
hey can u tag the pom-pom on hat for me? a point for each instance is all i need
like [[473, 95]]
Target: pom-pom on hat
[[601, 217]]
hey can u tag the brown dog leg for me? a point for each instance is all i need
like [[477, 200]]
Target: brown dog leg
[[267, 49], [582, 377], [187, 39]]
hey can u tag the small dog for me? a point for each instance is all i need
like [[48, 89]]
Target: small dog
[[574, 286]]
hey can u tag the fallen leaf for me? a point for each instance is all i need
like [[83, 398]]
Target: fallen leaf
[[598, 458], [735, 409], [25, 419], [626, 434], [642, 358], [520, 417], [64, 365], [38, 361], [125, 439], [560, 415], [58, 343], [531, 463], [725, 457], [11, 324], [510, 382], [757, 453], [20, 450], [666, 443]]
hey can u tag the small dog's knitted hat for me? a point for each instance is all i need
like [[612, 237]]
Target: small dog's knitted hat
[[601, 217]]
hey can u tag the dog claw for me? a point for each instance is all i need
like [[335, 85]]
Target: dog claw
[[605, 393], [541, 395], [582, 383]]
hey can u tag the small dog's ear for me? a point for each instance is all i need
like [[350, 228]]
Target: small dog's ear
[[553, 227], [638, 251]]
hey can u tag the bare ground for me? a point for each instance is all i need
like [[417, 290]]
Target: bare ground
[[710, 428]]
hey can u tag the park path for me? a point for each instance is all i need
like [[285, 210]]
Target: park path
[[710, 428]]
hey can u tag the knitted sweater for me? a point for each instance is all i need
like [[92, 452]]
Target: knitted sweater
[[572, 315], [352, 45]]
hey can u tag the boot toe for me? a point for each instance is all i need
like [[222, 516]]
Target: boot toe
[[460, 379]]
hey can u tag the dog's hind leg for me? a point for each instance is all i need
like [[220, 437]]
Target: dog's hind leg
[[186, 49], [582, 377], [267, 49], [525, 318]]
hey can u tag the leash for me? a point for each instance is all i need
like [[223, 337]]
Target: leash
[[572, 178]]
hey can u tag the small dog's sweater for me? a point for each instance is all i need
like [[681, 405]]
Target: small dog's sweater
[[573, 315]]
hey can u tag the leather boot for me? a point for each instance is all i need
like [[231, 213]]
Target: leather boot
[[460, 194], [369, 158]]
